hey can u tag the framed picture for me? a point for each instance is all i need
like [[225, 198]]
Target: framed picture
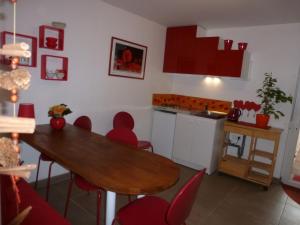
[[7, 38], [127, 59]]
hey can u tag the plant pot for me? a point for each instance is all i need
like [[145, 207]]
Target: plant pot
[[262, 120], [57, 123]]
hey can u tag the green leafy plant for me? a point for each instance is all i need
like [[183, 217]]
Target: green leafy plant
[[271, 95]]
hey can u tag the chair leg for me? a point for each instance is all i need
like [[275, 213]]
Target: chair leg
[[48, 181], [98, 206], [37, 172], [129, 198], [114, 221], [68, 195], [151, 147]]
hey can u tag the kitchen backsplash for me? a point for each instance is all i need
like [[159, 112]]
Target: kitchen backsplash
[[190, 103]]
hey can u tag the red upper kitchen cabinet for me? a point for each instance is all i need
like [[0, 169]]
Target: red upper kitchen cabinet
[[229, 63], [179, 54], [205, 54], [185, 53]]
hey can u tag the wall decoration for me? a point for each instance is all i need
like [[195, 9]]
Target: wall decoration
[[54, 68], [51, 37], [7, 38], [127, 59]]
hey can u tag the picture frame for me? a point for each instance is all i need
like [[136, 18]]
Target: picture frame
[[127, 59], [7, 38]]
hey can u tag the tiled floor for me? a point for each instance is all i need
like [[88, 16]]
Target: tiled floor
[[221, 200]]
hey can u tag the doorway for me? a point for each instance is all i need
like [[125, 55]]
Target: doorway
[[291, 165]]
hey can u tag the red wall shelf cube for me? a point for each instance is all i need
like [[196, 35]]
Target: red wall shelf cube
[[54, 68], [48, 32], [7, 38]]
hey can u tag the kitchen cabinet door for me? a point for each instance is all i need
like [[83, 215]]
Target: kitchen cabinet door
[[183, 138], [202, 150], [197, 142], [163, 133], [179, 50]]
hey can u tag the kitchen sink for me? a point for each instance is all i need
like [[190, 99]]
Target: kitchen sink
[[210, 114]]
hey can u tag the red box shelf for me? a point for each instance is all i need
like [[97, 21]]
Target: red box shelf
[[51, 33], [54, 68]]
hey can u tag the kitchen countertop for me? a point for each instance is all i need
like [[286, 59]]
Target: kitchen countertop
[[205, 114]]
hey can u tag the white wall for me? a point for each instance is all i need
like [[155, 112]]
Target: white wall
[[89, 90], [274, 49]]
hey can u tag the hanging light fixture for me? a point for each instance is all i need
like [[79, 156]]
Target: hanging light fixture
[[13, 81]]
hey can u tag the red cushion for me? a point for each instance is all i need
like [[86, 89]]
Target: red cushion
[[84, 185], [144, 144], [150, 210], [41, 212]]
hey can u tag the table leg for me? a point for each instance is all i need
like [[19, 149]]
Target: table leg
[[110, 207]]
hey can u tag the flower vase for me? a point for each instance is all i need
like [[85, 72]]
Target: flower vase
[[57, 123]]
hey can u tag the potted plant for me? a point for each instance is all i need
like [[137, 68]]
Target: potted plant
[[270, 95], [57, 113]]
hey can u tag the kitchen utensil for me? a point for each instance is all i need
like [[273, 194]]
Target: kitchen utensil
[[234, 114]]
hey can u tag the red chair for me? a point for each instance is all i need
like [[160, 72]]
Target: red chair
[[82, 122], [124, 136], [152, 210], [125, 120], [121, 135]]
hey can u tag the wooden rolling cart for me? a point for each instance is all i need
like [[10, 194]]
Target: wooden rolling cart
[[259, 165]]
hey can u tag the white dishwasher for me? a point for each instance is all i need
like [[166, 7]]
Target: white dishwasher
[[197, 141], [163, 132]]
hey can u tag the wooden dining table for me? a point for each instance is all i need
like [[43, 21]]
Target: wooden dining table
[[115, 167]]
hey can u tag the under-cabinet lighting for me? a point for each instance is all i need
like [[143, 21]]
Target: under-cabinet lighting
[[212, 80]]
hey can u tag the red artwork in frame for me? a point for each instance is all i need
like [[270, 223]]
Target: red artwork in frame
[[127, 59], [7, 38]]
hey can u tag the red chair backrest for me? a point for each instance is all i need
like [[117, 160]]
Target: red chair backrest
[[83, 122], [124, 120], [123, 135], [182, 203]]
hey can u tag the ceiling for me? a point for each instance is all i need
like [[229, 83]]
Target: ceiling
[[212, 14]]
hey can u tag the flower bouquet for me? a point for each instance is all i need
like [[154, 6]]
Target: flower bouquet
[[57, 112]]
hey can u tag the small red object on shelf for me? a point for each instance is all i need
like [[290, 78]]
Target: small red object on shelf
[[51, 42], [47, 36], [228, 44], [54, 68], [242, 46]]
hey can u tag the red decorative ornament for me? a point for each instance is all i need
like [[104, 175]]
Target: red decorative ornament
[[14, 62], [57, 123]]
